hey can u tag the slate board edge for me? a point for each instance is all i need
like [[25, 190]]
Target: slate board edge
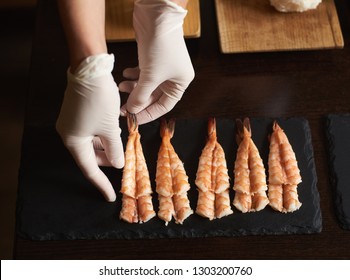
[[316, 201], [337, 197]]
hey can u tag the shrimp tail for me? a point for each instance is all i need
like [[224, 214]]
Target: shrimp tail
[[167, 128], [132, 122], [243, 129], [212, 127]]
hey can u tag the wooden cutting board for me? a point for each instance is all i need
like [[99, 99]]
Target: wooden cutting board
[[119, 20], [255, 26]]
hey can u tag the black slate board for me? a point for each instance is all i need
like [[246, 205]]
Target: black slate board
[[338, 136], [56, 202]]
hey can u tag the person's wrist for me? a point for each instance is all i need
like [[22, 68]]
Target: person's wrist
[[84, 52]]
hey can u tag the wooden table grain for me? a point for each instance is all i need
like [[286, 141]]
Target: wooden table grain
[[309, 84]]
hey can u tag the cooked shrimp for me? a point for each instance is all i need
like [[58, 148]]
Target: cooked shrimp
[[143, 183], [164, 181], [203, 176], [182, 207], [291, 201], [222, 180], [145, 208], [166, 208], [284, 174], [242, 201], [250, 179], [136, 187], [212, 179], [129, 209], [128, 186], [275, 194], [178, 173], [206, 204], [171, 179], [288, 159], [222, 204]]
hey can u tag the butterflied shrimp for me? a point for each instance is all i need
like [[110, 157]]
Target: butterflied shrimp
[[182, 207], [143, 185], [164, 181], [222, 180], [178, 173], [212, 179], [206, 204], [242, 201], [250, 179], [136, 187], [166, 208], [203, 176], [288, 159], [222, 204], [128, 212], [291, 201], [171, 179], [129, 179], [284, 174], [275, 194], [145, 208], [129, 209]]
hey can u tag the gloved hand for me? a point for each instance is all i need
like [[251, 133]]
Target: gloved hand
[[89, 120], [165, 69]]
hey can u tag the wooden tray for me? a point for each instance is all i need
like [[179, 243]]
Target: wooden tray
[[119, 20], [255, 26]]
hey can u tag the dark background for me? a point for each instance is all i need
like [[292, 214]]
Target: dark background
[[17, 22], [309, 84]]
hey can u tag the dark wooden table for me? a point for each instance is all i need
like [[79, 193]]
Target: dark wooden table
[[309, 84]]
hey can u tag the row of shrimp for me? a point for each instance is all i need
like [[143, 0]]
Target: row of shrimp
[[212, 180]]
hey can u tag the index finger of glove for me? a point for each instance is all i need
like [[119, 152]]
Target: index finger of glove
[[85, 158], [139, 97], [157, 109]]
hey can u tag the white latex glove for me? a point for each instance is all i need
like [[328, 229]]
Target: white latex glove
[[165, 69], [89, 120]]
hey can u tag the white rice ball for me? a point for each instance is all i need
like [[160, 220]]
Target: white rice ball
[[295, 5]]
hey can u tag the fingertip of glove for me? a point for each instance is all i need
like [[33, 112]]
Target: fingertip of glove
[[123, 110], [111, 198], [118, 162]]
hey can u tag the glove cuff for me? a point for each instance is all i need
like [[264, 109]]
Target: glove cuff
[[92, 67], [176, 6], [167, 2]]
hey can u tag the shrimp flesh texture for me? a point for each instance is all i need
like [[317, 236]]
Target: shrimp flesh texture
[[284, 174], [212, 178], [136, 188], [250, 179], [171, 179]]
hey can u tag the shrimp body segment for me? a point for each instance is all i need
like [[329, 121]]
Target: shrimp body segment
[[212, 179], [250, 179], [284, 174], [136, 186], [171, 179]]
